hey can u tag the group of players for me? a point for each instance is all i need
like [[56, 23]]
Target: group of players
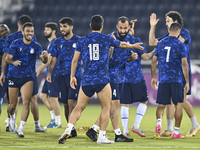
[[112, 69]]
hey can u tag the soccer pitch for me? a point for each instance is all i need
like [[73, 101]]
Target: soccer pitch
[[48, 140]]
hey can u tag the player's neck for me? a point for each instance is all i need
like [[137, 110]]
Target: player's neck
[[96, 31], [25, 41], [69, 36], [173, 34], [51, 38]]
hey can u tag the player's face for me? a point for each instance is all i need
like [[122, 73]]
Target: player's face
[[4, 31], [47, 32], [65, 29], [169, 21], [123, 29], [28, 33]]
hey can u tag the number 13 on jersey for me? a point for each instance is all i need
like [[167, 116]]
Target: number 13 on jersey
[[94, 51]]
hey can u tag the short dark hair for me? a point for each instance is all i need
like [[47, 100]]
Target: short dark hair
[[96, 22], [28, 24], [23, 19], [52, 25], [175, 16], [175, 27], [123, 19], [67, 20]]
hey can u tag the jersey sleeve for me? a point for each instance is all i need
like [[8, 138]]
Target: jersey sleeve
[[7, 45], [183, 50], [12, 49], [156, 51], [186, 35], [54, 49], [114, 43], [34, 38], [78, 46], [39, 49]]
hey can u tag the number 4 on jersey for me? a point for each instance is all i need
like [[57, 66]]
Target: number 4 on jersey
[[94, 51]]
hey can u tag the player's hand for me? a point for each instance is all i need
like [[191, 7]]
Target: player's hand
[[187, 88], [133, 22], [2, 79], [154, 83], [17, 63], [73, 82], [153, 19], [44, 53], [48, 78], [113, 35], [137, 46], [37, 73], [134, 55]]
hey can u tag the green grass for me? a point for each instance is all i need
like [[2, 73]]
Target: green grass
[[48, 140]]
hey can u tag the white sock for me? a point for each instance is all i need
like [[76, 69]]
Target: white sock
[[8, 122], [57, 120], [52, 114], [95, 127], [117, 131], [69, 128], [194, 122], [102, 134], [37, 123], [22, 124], [12, 116], [124, 118], [139, 114], [170, 125], [176, 130], [159, 121]]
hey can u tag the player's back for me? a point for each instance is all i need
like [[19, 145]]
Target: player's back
[[94, 49], [170, 51]]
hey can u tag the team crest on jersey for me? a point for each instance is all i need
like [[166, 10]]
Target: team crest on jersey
[[61, 46], [74, 45], [20, 49], [32, 50]]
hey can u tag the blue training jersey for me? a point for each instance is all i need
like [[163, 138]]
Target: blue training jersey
[[170, 51], [64, 51], [118, 61], [12, 37], [2, 44], [55, 71], [26, 53], [94, 49], [186, 35], [133, 71]]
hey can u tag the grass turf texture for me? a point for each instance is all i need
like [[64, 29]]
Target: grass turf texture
[[48, 140]]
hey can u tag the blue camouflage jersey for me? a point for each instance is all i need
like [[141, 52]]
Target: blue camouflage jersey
[[94, 49], [118, 61], [186, 35], [133, 71], [64, 51], [26, 53], [55, 71], [170, 51], [2, 43], [12, 37]]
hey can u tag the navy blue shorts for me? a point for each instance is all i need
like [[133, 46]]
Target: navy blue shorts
[[91, 89], [64, 89], [4, 88], [115, 91], [51, 89], [189, 92], [18, 82], [134, 93], [35, 87], [166, 91]]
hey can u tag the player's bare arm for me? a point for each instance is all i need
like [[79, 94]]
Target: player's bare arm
[[147, 56], [132, 46], [153, 72], [153, 22], [132, 57], [44, 57], [12, 62], [185, 73], [43, 65], [74, 64], [51, 67]]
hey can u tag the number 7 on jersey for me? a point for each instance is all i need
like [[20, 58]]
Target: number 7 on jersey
[[168, 52]]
